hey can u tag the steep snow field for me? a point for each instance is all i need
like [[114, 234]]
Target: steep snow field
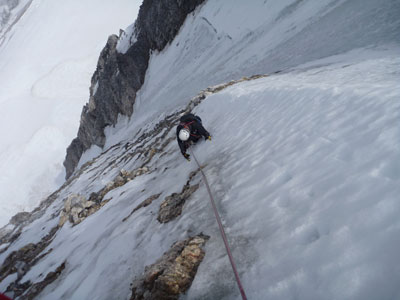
[[304, 167], [46, 62], [228, 40], [303, 163]]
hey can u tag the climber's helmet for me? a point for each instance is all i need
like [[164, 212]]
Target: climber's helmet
[[184, 134]]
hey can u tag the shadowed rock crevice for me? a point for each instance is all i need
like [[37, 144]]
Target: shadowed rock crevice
[[172, 206], [77, 208], [173, 273], [145, 203]]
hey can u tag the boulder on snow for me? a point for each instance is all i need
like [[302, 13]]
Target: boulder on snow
[[173, 273], [141, 171], [76, 209], [172, 206], [20, 218]]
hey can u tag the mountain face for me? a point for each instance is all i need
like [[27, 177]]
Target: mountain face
[[300, 98], [252, 47], [119, 76]]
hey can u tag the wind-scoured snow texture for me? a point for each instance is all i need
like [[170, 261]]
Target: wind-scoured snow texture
[[304, 168], [120, 75], [48, 52], [223, 40], [303, 164], [227, 40]]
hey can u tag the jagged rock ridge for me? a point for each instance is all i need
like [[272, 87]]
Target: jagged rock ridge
[[120, 75]]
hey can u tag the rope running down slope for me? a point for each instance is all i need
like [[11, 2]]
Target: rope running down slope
[[221, 229]]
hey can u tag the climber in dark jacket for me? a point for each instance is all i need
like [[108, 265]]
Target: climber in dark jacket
[[189, 131]]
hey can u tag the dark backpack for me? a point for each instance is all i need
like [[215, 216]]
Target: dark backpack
[[190, 118]]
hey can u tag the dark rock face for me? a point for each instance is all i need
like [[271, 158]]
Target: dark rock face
[[20, 218], [172, 206], [29, 291], [20, 262], [173, 273], [37, 288], [119, 76]]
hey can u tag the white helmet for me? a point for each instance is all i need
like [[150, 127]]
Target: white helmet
[[184, 134]]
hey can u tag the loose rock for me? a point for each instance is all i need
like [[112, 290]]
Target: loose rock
[[172, 206], [173, 273], [76, 209]]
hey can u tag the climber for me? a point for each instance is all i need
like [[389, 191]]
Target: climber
[[189, 131]]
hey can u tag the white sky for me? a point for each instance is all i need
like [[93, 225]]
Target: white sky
[[45, 71]]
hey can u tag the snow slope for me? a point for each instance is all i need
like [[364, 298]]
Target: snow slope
[[46, 63], [305, 172], [303, 163], [226, 41], [10, 13]]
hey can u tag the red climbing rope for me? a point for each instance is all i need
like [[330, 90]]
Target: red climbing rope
[[221, 228], [4, 297]]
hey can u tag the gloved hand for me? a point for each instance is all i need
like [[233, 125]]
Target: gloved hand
[[187, 156], [209, 138]]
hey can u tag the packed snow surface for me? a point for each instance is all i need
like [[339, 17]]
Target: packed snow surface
[[48, 54], [303, 163], [305, 170], [228, 40]]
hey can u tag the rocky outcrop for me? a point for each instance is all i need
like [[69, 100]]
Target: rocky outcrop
[[172, 206], [20, 218], [173, 273], [20, 262], [38, 287], [77, 207], [120, 75], [28, 291]]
